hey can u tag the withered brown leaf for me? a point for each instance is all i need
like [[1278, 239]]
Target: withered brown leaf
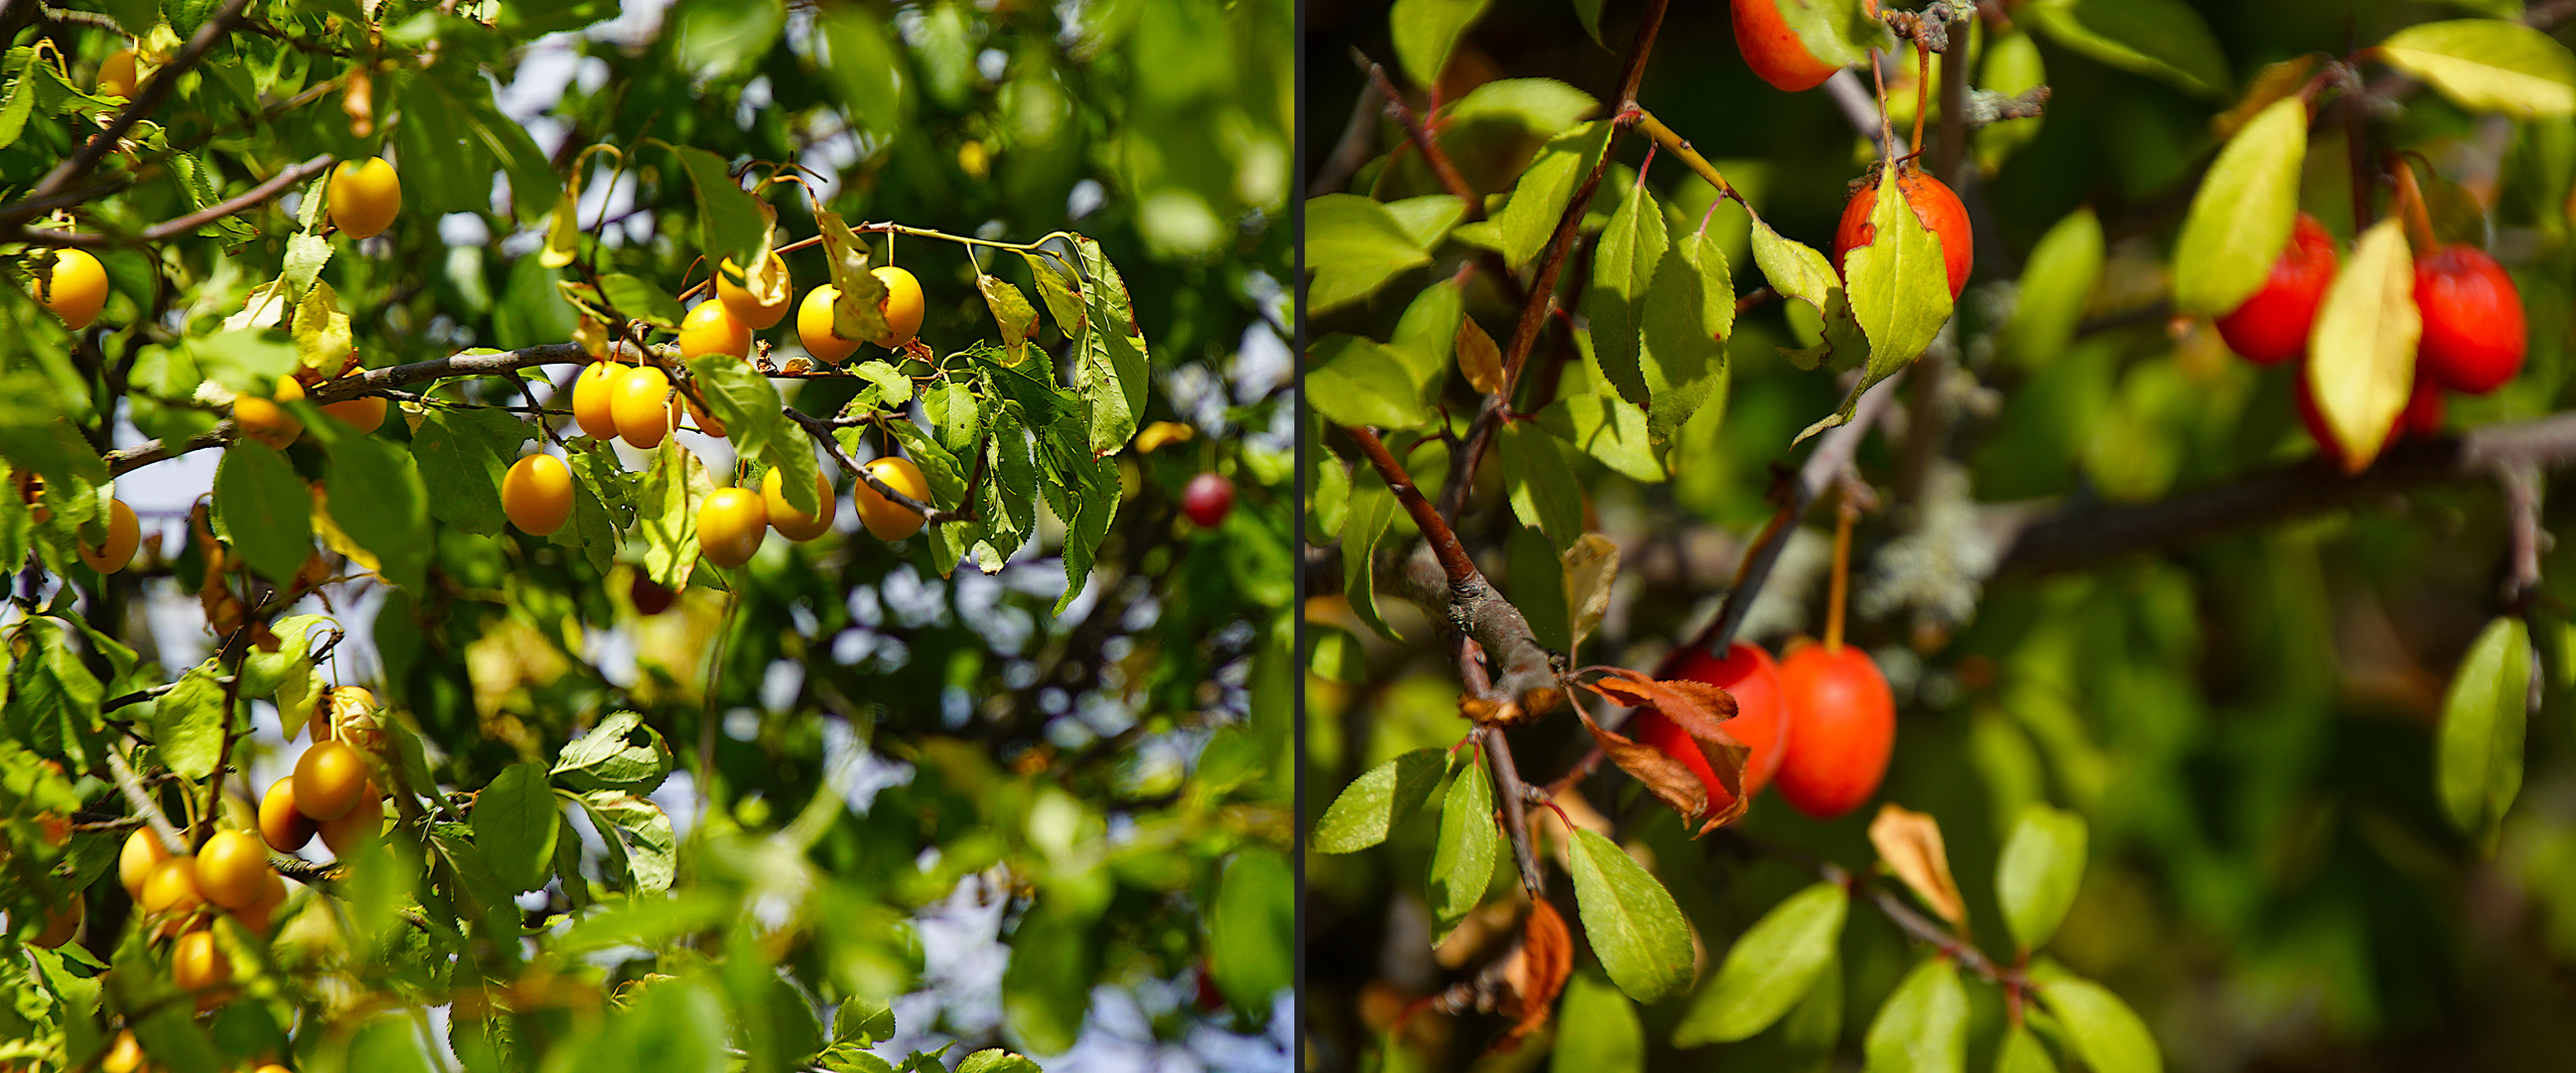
[[1537, 973], [1910, 843], [1700, 710]]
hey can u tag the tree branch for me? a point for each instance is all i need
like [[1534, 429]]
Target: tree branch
[[168, 229], [1474, 609], [216, 29], [821, 430], [2039, 540]]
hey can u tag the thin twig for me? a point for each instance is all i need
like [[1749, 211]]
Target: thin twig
[[168, 229], [821, 430], [215, 29]]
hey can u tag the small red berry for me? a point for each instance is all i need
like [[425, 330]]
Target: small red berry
[[1934, 205], [1842, 729], [1773, 50], [2423, 416], [2272, 326], [1208, 499], [648, 595], [2474, 335]]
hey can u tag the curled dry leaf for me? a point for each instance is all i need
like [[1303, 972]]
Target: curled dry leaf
[[1509, 713], [1700, 709], [1910, 843], [1537, 973]]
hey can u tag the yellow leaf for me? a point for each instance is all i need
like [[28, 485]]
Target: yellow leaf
[[1910, 843], [2361, 359], [1590, 566]]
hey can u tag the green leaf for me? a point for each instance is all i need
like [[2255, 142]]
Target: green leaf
[[1544, 493], [1012, 313], [1541, 195], [2022, 1052], [1062, 293], [622, 753], [188, 723], [2361, 354], [863, 1020], [666, 513], [1539, 106], [1426, 340], [1796, 270], [2488, 65], [872, 77], [461, 454], [1047, 989], [1924, 1026], [1597, 1030], [1624, 265], [1634, 927], [637, 831], [1610, 429], [2240, 218], [2477, 759], [2037, 876], [1372, 509], [1370, 807], [2162, 39], [1355, 381], [882, 387], [719, 39], [1462, 861], [2054, 288], [731, 223], [377, 497], [1427, 31], [2103, 1031], [1690, 309], [1427, 219], [996, 1060], [1256, 907], [1354, 245], [1900, 285], [1769, 970], [641, 300], [1109, 354], [262, 508], [515, 821], [1536, 584]]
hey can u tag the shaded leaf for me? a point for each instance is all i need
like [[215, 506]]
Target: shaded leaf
[[2477, 759], [1769, 970], [2037, 876], [2361, 357], [1374, 803]]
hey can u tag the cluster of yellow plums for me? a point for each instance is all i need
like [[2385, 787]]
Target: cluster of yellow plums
[[724, 326], [365, 198]]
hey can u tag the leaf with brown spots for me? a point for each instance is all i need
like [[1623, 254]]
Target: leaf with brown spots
[[1910, 843]]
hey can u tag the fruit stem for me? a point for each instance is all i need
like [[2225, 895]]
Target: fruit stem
[[1843, 515], [1886, 134], [1922, 94]]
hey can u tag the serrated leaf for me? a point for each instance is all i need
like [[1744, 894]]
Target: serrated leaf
[[1462, 859], [1610, 429], [1353, 247], [622, 753], [515, 824], [263, 508], [1769, 969], [1109, 354], [2102, 1030], [188, 723], [2241, 216], [2477, 759], [1012, 313], [2163, 39], [1540, 482], [1427, 31], [1899, 283], [1690, 309], [858, 307], [1355, 381], [2054, 288], [640, 300], [1597, 1031], [1541, 195], [1625, 260], [2488, 65], [1060, 291], [1923, 1028], [1634, 927], [731, 222], [2361, 354], [1384, 796], [1372, 508], [2037, 876]]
